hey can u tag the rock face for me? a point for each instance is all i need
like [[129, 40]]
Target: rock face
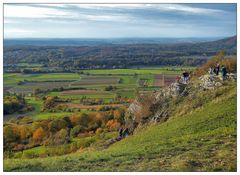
[[134, 107], [160, 102], [175, 89], [209, 81]]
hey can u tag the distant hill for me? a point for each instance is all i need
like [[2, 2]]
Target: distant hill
[[98, 42], [229, 44], [94, 56]]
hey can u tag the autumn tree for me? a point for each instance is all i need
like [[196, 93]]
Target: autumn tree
[[49, 103], [24, 132], [38, 135], [57, 124], [10, 135], [113, 124]]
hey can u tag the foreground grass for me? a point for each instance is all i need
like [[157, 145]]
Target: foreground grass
[[203, 140]]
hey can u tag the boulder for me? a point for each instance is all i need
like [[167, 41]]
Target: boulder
[[210, 81]]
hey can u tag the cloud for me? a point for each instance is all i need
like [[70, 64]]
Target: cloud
[[83, 18], [75, 10]]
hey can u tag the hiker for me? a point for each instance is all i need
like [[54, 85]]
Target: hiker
[[126, 133], [217, 69], [224, 72], [120, 132], [185, 76], [211, 71]]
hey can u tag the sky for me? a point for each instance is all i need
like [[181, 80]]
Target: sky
[[119, 20]]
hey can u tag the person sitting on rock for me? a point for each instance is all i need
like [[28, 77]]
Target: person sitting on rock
[[126, 132], [185, 75], [224, 72]]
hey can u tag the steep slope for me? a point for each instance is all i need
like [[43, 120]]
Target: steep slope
[[204, 139]]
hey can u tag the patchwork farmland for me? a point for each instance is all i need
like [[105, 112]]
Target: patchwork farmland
[[88, 90]]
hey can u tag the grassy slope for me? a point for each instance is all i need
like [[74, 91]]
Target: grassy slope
[[203, 140]]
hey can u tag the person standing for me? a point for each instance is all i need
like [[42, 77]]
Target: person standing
[[224, 72], [217, 69], [120, 132]]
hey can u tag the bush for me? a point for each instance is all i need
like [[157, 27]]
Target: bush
[[13, 103], [61, 137], [10, 135], [146, 110], [76, 130], [99, 131], [57, 124], [110, 88], [82, 119], [49, 103]]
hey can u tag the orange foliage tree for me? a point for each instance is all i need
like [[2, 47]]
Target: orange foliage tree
[[113, 124], [38, 135]]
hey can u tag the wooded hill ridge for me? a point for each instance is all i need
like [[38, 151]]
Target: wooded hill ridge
[[72, 58]]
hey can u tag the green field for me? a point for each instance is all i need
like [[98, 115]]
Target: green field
[[202, 140], [125, 81]]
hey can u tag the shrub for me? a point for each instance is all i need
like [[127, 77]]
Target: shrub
[[110, 88], [10, 135], [49, 103], [61, 137], [76, 130], [99, 131], [142, 115], [57, 124], [13, 103], [82, 119]]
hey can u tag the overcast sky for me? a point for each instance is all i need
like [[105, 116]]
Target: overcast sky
[[118, 20]]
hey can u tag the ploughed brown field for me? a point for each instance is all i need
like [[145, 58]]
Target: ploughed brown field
[[168, 79], [161, 80], [158, 80]]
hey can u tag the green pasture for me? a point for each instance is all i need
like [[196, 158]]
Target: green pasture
[[161, 70]]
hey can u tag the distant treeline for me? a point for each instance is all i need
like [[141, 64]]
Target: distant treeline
[[70, 58]]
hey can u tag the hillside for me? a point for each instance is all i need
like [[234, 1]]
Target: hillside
[[198, 136]]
